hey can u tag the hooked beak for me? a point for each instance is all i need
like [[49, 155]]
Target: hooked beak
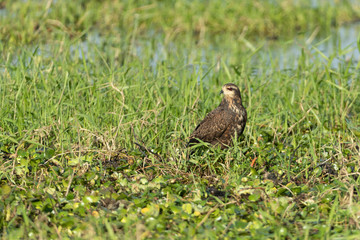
[[221, 92]]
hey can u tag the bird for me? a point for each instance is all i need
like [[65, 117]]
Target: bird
[[225, 122]]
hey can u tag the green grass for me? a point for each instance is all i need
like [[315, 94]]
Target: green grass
[[41, 21], [79, 95]]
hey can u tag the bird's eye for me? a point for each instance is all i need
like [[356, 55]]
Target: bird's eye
[[230, 89]]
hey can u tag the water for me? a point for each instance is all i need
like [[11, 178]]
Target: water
[[338, 48]]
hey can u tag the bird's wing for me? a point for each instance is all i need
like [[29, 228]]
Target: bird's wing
[[213, 125]]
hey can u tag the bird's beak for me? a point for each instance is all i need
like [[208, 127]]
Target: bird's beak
[[221, 92]]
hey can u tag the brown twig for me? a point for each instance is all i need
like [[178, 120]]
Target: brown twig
[[68, 188], [144, 149], [206, 216], [253, 162]]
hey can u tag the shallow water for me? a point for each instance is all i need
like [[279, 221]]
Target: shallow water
[[338, 48]]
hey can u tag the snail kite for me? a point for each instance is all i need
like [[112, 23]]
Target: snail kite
[[223, 123]]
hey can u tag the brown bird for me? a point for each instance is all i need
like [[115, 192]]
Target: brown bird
[[225, 122]]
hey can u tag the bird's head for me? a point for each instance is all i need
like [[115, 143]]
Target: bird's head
[[230, 90]]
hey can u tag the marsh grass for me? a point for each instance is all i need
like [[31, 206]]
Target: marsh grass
[[94, 130], [29, 21]]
